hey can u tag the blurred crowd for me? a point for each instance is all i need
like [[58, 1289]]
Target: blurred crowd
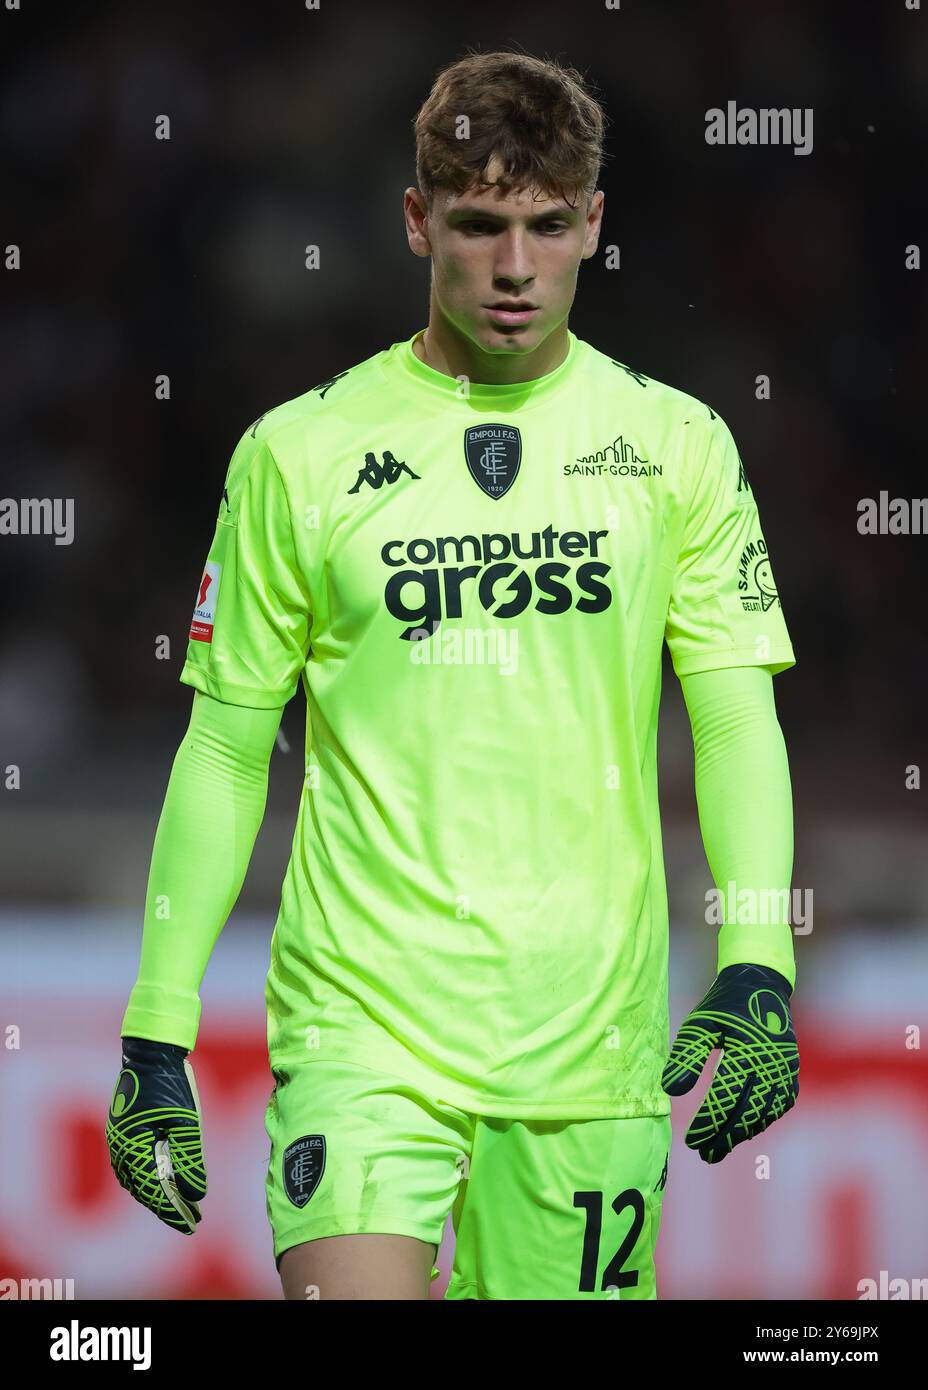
[[289, 127]]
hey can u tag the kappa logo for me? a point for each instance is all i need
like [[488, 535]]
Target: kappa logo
[[755, 578], [303, 1167], [662, 1180], [744, 487], [743, 484], [327, 385], [377, 474], [493, 454], [641, 379]]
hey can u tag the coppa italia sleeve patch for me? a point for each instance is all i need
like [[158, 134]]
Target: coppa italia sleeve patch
[[204, 613]]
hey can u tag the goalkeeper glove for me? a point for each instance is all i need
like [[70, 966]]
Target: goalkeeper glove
[[153, 1132], [746, 1014]]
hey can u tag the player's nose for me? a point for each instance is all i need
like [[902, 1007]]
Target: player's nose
[[513, 269]]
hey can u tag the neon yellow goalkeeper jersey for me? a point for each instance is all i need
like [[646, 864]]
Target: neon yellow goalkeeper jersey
[[474, 586]]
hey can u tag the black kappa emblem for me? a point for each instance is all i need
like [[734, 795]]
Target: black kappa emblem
[[377, 474], [493, 454], [303, 1166]]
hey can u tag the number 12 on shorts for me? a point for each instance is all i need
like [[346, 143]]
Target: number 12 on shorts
[[614, 1276]]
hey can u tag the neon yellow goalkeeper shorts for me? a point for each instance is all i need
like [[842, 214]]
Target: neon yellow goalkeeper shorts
[[547, 1210]]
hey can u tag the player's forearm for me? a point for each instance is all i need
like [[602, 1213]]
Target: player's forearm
[[745, 811], [212, 812]]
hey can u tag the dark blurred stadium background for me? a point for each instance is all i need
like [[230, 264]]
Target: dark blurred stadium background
[[141, 257]]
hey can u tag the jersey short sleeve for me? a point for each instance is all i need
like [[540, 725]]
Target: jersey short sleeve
[[249, 635], [724, 607]]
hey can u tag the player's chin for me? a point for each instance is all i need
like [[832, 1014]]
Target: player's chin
[[498, 337]]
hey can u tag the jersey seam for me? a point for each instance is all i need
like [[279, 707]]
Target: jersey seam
[[296, 569], [782, 649], [192, 667], [470, 1286], [692, 493]]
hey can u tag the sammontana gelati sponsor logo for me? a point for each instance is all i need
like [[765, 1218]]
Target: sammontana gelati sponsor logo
[[755, 578], [431, 576], [618, 459]]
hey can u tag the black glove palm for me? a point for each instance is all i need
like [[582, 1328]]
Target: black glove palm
[[746, 1014], [153, 1132]]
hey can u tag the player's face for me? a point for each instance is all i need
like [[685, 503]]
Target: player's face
[[490, 251]]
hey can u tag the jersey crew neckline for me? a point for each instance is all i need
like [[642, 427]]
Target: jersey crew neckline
[[519, 395]]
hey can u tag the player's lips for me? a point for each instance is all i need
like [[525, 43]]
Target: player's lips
[[520, 311]]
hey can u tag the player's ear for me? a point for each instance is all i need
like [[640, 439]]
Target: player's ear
[[416, 214], [594, 221]]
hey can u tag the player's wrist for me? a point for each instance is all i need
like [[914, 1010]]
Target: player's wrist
[[757, 976], [138, 1051]]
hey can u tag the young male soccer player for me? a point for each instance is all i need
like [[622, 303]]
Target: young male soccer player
[[471, 547]]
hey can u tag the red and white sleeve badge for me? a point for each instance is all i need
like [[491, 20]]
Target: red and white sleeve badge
[[204, 613]]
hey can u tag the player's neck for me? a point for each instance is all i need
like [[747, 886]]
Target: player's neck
[[440, 348]]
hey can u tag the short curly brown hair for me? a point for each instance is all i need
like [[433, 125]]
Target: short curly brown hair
[[538, 117]]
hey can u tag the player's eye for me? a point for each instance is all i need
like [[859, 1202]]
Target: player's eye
[[475, 228]]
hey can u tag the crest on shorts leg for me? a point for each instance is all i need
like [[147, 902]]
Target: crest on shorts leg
[[303, 1166]]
